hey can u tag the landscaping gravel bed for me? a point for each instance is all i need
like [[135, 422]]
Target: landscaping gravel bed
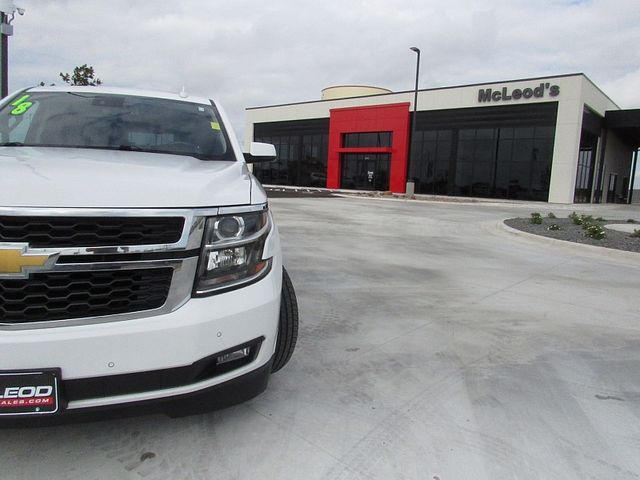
[[575, 233]]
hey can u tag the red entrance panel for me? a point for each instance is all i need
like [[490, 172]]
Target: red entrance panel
[[392, 118]]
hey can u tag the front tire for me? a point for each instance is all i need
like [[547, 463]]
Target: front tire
[[288, 326]]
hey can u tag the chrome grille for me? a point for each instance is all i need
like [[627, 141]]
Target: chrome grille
[[63, 231], [78, 294], [144, 265]]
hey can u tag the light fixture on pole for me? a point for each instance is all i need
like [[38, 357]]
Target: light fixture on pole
[[7, 11], [410, 184]]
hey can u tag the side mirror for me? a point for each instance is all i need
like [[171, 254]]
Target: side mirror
[[260, 152]]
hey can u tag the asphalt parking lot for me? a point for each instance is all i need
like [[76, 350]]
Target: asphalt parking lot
[[433, 346]]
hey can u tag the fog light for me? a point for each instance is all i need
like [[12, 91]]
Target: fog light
[[237, 355]]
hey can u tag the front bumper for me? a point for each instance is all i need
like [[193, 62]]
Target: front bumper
[[201, 328], [222, 395]]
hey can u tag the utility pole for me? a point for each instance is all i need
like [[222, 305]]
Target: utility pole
[[7, 12], [5, 31]]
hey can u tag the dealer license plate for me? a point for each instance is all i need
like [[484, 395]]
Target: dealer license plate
[[29, 392]]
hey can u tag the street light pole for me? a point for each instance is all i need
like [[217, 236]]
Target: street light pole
[[412, 157], [633, 175]]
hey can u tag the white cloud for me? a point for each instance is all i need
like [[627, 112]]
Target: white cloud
[[624, 89], [249, 53]]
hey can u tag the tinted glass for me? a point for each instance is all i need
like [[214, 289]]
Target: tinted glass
[[484, 162], [301, 160], [366, 139], [364, 171], [430, 162], [115, 122], [586, 168]]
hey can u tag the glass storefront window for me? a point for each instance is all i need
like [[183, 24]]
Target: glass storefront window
[[586, 167], [301, 160], [501, 162], [497, 152], [430, 170], [366, 139]]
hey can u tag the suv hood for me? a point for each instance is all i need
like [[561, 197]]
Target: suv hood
[[76, 177]]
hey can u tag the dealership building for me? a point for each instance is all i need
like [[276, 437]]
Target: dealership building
[[558, 139]]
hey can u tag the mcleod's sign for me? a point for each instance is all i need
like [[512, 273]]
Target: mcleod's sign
[[486, 95]]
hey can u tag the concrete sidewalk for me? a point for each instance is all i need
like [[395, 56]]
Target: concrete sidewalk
[[432, 346], [618, 210]]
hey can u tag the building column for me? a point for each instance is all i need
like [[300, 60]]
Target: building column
[[565, 151]]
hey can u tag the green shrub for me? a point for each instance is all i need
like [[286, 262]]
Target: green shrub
[[595, 231], [536, 218], [551, 215], [631, 220], [575, 218], [636, 233], [553, 226], [584, 220]]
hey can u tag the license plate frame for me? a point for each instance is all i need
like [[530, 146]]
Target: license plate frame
[[29, 392]]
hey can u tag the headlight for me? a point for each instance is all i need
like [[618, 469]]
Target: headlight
[[232, 251]]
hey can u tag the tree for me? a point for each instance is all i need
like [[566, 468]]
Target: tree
[[82, 75]]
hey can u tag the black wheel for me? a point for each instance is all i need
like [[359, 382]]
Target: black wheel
[[288, 327]]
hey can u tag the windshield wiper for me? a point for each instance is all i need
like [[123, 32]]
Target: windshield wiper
[[130, 148], [123, 147], [134, 148]]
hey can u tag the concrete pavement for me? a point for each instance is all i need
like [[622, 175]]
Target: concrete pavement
[[432, 346]]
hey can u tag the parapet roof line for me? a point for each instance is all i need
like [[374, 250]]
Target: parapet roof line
[[600, 90], [437, 88]]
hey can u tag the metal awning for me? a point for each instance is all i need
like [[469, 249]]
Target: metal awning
[[625, 123]]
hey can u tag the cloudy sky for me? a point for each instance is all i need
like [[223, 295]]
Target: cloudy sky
[[249, 53]]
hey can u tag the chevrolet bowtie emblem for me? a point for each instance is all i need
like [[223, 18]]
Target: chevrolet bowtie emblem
[[18, 260]]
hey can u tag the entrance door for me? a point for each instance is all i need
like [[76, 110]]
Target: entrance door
[[613, 183], [365, 171], [586, 167]]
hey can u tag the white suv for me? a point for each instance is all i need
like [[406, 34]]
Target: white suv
[[139, 262]]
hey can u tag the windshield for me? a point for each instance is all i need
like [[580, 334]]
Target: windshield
[[115, 122]]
